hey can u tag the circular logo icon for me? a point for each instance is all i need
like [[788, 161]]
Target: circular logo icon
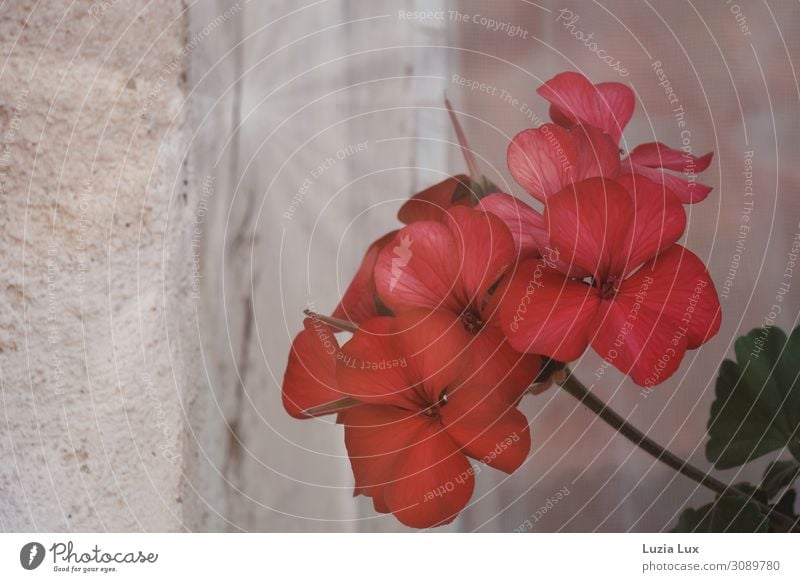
[[31, 555]]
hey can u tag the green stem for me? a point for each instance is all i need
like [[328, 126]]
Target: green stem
[[575, 388]]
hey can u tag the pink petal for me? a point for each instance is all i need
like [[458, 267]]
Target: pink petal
[[484, 250], [688, 192], [607, 106], [598, 154], [658, 155], [418, 269], [543, 160]]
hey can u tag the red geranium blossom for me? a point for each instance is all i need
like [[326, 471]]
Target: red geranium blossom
[[409, 443], [591, 119], [454, 265], [648, 300]]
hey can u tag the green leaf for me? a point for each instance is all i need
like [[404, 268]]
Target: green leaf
[[779, 475], [728, 514], [757, 405]]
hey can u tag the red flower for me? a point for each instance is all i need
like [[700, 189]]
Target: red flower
[[408, 445], [648, 301], [454, 265], [652, 159], [359, 300], [574, 100], [544, 160]]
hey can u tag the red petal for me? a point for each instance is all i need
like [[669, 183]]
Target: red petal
[[606, 106], [598, 154], [685, 291], [431, 203], [418, 269], [543, 160], [406, 361], [487, 427], [498, 367], [371, 369], [658, 155], [526, 225], [358, 303], [688, 192], [636, 339], [620, 102], [436, 347], [485, 249], [432, 481], [590, 224], [375, 436], [543, 312], [310, 378], [659, 219]]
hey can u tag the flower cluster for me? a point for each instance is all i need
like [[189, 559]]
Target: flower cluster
[[453, 314]]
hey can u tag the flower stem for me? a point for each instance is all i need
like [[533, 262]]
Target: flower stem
[[469, 155], [575, 388]]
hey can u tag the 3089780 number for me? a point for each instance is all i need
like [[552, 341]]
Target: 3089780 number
[[750, 565]]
